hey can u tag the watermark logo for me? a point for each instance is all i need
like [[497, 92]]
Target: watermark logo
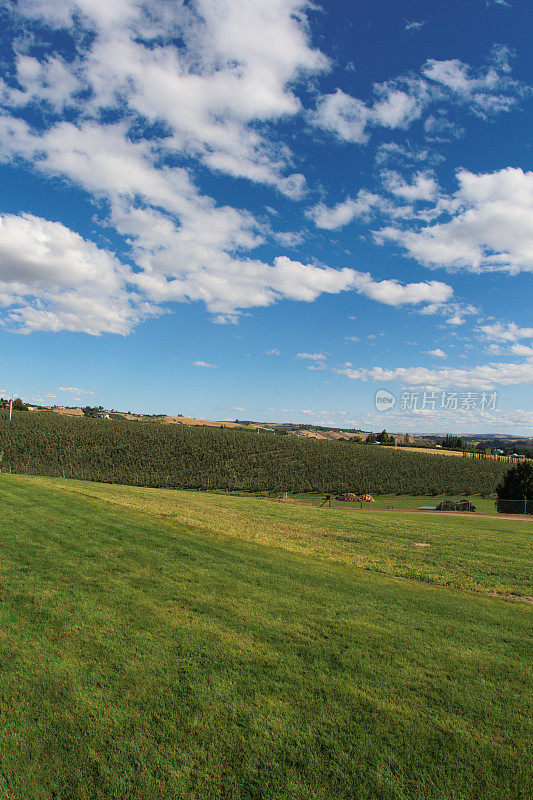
[[425, 400], [384, 400]]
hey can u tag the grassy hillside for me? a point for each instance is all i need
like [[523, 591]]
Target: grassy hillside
[[149, 454], [210, 647]]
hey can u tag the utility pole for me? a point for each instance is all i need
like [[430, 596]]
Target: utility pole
[[11, 408]]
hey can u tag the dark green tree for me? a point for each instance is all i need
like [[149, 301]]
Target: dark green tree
[[452, 443], [515, 492]]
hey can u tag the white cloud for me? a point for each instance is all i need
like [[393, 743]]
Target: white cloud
[[214, 102], [393, 293], [53, 279], [392, 151], [485, 376], [312, 356], [203, 364], [71, 390], [437, 352], [505, 332], [490, 229], [273, 352], [343, 213], [521, 350], [239, 60], [453, 313], [398, 103], [488, 91], [413, 27], [422, 187], [288, 238], [438, 128], [345, 116]]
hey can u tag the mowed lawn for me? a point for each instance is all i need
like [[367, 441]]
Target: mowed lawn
[[480, 554], [178, 645]]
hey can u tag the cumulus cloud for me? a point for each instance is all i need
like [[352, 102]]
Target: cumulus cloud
[[393, 293], [398, 103], [53, 279], [422, 187], [490, 226], [437, 352], [204, 102], [126, 115], [235, 69]]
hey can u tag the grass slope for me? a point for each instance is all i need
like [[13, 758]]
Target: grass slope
[[145, 657], [465, 552]]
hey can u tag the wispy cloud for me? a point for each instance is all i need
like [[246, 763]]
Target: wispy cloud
[[413, 27], [312, 356], [505, 332], [73, 390]]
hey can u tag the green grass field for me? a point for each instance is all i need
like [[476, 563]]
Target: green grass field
[[161, 644], [483, 505]]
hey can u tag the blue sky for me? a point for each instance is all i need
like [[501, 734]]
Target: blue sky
[[270, 210]]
